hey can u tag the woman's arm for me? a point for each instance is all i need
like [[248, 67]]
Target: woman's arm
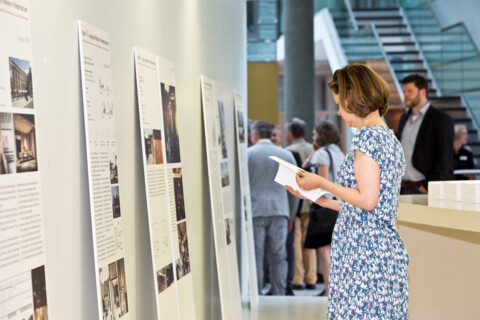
[[367, 174]]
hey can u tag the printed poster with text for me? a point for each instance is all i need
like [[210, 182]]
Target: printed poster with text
[[23, 293], [221, 198], [249, 283], [104, 185], [157, 103]]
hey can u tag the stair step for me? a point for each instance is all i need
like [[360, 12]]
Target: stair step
[[375, 9], [402, 52], [406, 61], [411, 71], [379, 17], [395, 34], [406, 43], [447, 98], [401, 25], [462, 120]]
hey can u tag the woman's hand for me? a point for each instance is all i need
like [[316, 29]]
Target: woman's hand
[[294, 192], [308, 181]]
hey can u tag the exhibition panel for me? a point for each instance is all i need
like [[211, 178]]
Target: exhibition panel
[[104, 185], [221, 198], [23, 292], [249, 282]]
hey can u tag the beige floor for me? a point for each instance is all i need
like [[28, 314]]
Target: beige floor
[[291, 308]]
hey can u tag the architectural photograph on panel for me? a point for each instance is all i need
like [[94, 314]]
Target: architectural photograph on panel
[[183, 246], [116, 202], [113, 169], [165, 277], [7, 151], [221, 141], [25, 143], [228, 232], [153, 146], [241, 127], [39, 294], [113, 290], [178, 188], [21, 83], [169, 105], [225, 175]]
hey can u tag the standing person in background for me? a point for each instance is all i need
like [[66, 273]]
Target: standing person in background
[[325, 162], [305, 259], [463, 158], [250, 124], [426, 134], [272, 207], [277, 137], [368, 262]]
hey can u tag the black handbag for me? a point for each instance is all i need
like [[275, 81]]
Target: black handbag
[[322, 220]]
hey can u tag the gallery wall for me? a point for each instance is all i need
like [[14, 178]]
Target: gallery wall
[[201, 37]]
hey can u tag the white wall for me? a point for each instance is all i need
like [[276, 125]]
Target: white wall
[[201, 37]]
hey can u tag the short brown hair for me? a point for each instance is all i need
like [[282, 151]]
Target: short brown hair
[[419, 81], [363, 89], [327, 134]]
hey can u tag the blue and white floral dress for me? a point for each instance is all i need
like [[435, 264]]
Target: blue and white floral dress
[[368, 265]]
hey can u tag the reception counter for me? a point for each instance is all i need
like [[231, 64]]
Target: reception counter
[[443, 243]]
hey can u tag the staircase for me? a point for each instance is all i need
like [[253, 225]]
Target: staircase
[[404, 56]]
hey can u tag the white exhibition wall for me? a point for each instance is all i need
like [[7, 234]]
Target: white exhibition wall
[[202, 37]]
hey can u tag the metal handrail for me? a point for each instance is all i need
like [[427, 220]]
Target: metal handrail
[[352, 15]]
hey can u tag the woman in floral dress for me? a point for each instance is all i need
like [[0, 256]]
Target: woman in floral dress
[[368, 266]]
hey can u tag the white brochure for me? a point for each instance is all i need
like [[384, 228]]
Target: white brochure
[[286, 177], [157, 107], [249, 283], [102, 163], [23, 292], [221, 199]]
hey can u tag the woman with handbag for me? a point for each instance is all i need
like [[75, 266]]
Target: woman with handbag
[[368, 262], [324, 161]]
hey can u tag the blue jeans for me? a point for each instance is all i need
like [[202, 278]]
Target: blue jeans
[[270, 235]]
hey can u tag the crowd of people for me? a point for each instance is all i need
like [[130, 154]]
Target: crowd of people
[[352, 230]]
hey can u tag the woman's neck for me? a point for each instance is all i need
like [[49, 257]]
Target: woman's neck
[[372, 119], [457, 145]]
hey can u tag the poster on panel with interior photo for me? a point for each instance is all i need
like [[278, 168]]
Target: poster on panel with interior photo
[[221, 198], [103, 168], [164, 185], [249, 283], [23, 285]]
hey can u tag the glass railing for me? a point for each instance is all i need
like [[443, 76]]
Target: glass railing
[[358, 44]]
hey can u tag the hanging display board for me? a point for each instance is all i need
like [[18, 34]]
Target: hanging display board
[[221, 198], [23, 293], [249, 282], [103, 169], [157, 107]]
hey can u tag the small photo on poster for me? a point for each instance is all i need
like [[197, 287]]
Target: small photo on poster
[[153, 146], [221, 141], [183, 246], [225, 175], [178, 188], [113, 169], [169, 106], [21, 83], [116, 202], [39, 292], [25, 142], [113, 290], [241, 127], [7, 150], [228, 230], [165, 278]]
